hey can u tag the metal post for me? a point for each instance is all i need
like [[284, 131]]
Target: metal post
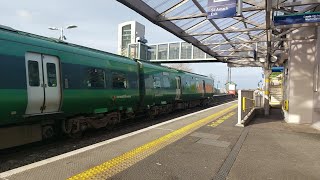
[[239, 8], [230, 74], [61, 34], [267, 70], [239, 108], [267, 73]]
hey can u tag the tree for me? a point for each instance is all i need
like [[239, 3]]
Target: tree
[[180, 66]]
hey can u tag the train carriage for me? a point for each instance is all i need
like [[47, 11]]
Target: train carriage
[[48, 86]]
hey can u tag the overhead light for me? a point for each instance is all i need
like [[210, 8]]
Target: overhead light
[[62, 37], [262, 60], [53, 28], [71, 26]]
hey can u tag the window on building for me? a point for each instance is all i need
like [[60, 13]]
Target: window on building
[[95, 78], [174, 49], [119, 81], [126, 36], [198, 54], [162, 51], [33, 71], [152, 52], [186, 50]]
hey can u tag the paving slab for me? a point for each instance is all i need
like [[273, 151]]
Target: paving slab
[[274, 149]]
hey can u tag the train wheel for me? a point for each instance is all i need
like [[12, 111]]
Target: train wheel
[[47, 132]]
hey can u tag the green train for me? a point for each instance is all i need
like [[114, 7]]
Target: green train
[[48, 86]]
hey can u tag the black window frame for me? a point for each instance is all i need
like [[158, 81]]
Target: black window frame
[[118, 84], [92, 78]]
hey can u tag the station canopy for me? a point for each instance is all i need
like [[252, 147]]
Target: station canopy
[[230, 40]]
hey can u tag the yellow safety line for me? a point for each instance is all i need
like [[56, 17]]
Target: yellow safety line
[[222, 119], [122, 162]]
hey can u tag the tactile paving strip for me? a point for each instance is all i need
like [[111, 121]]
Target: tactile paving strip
[[124, 161]]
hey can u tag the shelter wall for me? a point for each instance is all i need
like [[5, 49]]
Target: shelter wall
[[302, 61]]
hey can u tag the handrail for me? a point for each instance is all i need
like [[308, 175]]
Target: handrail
[[244, 103]]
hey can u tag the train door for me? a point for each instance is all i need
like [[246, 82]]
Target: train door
[[52, 85], [178, 90], [203, 88], [43, 83]]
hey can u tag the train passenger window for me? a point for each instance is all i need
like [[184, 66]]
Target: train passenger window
[[133, 80], [156, 82], [119, 81], [33, 69], [51, 75], [95, 78], [148, 81], [165, 82]]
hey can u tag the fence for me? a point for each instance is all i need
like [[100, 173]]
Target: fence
[[248, 102]]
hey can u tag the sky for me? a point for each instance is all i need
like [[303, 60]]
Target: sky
[[97, 22]]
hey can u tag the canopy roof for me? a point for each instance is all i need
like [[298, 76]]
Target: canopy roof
[[229, 40]]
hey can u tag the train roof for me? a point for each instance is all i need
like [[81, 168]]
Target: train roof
[[59, 42]]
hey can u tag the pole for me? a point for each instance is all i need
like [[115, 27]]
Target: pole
[[230, 74], [61, 34], [267, 70]]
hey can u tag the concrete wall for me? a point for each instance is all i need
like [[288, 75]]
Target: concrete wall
[[299, 80], [316, 95]]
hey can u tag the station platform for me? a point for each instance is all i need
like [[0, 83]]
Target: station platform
[[201, 145]]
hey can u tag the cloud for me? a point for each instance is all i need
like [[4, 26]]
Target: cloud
[[24, 14]]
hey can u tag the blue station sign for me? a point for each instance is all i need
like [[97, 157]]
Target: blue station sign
[[297, 19], [221, 9]]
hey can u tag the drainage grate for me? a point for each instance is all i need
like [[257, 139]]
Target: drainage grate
[[228, 163]]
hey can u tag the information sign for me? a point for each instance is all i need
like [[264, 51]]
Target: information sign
[[221, 9], [297, 19]]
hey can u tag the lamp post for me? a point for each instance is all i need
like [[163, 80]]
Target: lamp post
[[62, 37]]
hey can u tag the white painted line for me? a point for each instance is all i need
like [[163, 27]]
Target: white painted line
[[93, 146], [164, 129]]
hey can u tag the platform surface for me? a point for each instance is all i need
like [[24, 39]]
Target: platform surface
[[203, 145]]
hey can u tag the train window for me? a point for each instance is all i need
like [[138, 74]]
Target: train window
[[133, 80], [95, 78], [166, 82], [119, 81], [51, 75], [156, 82], [148, 81], [33, 69]]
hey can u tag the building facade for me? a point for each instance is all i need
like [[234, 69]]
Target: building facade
[[128, 33]]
